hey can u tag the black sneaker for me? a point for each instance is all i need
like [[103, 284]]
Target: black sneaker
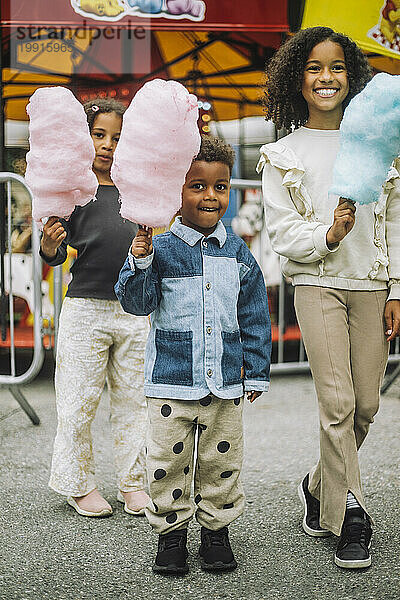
[[353, 547], [172, 553], [215, 550], [311, 511]]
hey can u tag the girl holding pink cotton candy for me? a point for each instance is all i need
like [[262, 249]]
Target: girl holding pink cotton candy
[[97, 340], [344, 263]]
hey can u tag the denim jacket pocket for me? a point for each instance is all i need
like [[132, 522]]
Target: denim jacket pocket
[[174, 362], [232, 358]]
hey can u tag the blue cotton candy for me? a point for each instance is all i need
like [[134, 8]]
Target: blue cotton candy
[[147, 6], [369, 140]]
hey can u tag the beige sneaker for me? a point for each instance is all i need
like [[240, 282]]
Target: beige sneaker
[[90, 505], [134, 502]]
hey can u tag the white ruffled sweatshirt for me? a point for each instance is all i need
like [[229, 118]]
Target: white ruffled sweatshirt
[[297, 174]]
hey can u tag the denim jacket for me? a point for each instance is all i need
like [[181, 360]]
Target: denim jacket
[[210, 325]]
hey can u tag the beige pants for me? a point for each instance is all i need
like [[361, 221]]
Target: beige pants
[[343, 333], [98, 341], [218, 492]]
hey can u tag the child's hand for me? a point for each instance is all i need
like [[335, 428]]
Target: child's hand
[[53, 234], [251, 396], [20, 241], [142, 244], [392, 319], [343, 221]]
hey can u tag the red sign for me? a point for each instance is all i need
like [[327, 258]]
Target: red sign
[[201, 15]]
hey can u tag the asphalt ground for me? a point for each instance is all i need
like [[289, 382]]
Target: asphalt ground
[[48, 552]]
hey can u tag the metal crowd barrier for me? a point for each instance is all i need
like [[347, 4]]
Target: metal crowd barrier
[[13, 381], [301, 365]]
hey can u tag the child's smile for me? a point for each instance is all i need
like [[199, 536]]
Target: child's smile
[[326, 92], [205, 195], [325, 83]]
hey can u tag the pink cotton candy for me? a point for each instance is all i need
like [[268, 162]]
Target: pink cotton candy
[[194, 8], [59, 163], [158, 142]]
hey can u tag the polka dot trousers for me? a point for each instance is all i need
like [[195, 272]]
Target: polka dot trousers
[[214, 456]]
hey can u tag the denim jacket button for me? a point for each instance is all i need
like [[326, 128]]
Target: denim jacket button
[[205, 244], [209, 329], [208, 285], [209, 372]]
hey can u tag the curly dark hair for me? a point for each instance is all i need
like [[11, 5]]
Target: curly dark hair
[[283, 101], [214, 149], [102, 105]]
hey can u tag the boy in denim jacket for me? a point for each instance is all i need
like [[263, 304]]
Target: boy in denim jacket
[[210, 342]]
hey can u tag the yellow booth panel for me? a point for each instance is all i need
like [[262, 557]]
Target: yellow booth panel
[[373, 24]]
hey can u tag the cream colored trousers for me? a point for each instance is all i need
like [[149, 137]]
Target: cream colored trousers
[[98, 341], [218, 491], [343, 333]]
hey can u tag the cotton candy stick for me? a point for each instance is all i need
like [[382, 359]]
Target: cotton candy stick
[[369, 140], [59, 163], [158, 142]]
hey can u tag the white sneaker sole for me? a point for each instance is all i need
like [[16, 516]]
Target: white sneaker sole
[[136, 513], [353, 564], [107, 512], [307, 529]]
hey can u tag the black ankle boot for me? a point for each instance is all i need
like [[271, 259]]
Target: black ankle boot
[[172, 553], [215, 550]]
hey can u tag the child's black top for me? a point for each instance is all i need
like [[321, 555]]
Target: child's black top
[[102, 239]]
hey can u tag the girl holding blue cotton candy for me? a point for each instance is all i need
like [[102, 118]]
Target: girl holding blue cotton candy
[[344, 263]]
